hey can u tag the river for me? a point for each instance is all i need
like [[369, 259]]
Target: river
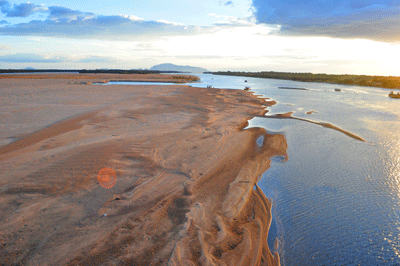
[[336, 200]]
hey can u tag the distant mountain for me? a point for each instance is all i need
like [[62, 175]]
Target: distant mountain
[[29, 68], [172, 67]]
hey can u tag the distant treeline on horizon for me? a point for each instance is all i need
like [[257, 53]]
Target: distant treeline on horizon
[[359, 80], [84, 71]]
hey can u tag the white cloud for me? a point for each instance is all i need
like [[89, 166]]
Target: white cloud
[[132, 17], [4, 47], [169, 22]]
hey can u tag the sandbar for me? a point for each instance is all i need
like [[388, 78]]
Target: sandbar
[[187, 171], [323, 124]]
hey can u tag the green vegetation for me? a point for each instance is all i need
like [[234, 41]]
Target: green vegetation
[[118, 71], [359, 80], [190, 78]]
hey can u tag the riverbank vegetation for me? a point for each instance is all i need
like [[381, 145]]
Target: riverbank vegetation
[[390, 82], [82, 71]]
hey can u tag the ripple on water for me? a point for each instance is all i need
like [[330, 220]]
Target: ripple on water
[[336, 201]]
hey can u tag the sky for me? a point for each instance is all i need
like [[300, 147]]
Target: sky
[[318, 36]]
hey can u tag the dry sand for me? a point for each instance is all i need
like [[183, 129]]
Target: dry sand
[[186, 191]]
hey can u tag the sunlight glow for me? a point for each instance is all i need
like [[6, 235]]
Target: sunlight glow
[[257, 45]]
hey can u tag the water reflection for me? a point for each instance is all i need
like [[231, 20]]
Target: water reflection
[[337, 200]]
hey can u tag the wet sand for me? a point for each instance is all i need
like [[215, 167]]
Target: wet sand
[[186, 170]]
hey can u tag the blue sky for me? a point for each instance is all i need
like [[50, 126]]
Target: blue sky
[[343, 36]]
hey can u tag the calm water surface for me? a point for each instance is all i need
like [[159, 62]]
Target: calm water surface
[[137, 83], [336, 201]]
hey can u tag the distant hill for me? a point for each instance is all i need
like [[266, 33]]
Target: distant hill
[[29, 68], [172, 67]]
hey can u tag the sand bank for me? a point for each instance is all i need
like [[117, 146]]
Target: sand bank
[[324, 124], [186, 171]]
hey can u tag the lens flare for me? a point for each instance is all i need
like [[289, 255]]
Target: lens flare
[[107, 178]]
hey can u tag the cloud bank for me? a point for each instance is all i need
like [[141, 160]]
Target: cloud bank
[[29, 58], [65, 22], [21, 10], [366, 19], [35, 58]]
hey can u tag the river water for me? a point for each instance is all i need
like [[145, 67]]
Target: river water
[[336, 200]]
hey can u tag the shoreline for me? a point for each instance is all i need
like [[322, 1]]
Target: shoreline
[[187, 175], [384, 82]]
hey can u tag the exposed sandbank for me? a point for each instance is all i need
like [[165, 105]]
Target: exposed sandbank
[[185, 193], [291, 88], [324, 124], [311, 112]]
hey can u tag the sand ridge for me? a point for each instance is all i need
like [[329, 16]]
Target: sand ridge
[[323, 124], [186, 192]]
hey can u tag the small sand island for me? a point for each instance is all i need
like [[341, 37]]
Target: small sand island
[[291, 88], [311, 112], [394, 95], [131, 175]]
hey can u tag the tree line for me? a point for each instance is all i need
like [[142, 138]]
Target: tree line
[[390, 82]]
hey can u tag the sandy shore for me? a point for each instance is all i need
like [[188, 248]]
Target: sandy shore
[[186, 172]]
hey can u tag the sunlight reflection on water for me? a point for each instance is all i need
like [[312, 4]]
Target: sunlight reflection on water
[[336, 201]]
